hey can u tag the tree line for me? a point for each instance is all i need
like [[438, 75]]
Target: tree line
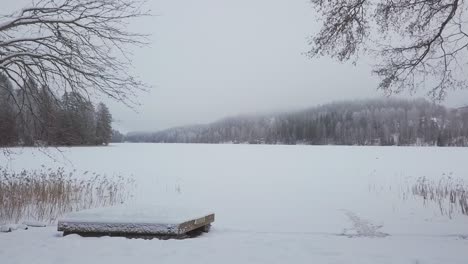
[[33, 115], [366, 122]]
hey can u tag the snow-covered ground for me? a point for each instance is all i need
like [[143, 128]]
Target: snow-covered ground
[[273, 204]]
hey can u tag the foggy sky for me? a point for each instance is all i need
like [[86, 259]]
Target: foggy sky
[[209, 59]]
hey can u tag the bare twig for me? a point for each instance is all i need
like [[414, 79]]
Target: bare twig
[[419, 44]]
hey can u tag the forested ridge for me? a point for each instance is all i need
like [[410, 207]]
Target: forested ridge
[[365, 122]]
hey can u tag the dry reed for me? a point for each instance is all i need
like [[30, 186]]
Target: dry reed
[[451, 195], [46, 194]]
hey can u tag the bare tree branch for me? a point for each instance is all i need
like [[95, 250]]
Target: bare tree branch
[[419, 44], [73, 45]]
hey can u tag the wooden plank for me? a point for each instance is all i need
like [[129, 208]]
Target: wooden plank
[[71, 227], [195, 224]]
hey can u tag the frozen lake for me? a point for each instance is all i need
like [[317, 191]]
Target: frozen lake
[[273, 204]]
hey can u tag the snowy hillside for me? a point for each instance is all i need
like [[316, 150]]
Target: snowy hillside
[[376, 122], [273, 204]]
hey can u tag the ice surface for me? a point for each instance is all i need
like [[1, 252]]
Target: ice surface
[[273, 204]]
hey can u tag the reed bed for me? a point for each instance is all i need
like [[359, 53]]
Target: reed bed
[[451, 195], [46, 194]]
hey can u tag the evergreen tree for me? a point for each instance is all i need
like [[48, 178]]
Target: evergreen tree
[[103, 125], [117, 137], [48, 112], [77, 121], [8, 129], [37, 117], [28, 113]]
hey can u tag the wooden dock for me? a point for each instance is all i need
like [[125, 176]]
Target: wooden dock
[[146, 222]]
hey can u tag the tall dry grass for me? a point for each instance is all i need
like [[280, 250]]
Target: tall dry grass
[[46, 194], [451, 195]]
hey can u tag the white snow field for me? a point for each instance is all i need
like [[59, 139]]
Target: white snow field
[[273, 204]]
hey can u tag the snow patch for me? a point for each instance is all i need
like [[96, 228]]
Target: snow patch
[[11, 228], [362, 228]]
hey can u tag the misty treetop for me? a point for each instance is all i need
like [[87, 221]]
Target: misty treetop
[[39, 118], [369, 122]]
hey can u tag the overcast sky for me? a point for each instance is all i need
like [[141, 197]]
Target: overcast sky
[[209, 59]]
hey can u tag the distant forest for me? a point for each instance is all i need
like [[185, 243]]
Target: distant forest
[[370, 122], [39, 118]]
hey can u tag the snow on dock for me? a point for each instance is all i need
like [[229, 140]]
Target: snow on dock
[[137, 221]]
